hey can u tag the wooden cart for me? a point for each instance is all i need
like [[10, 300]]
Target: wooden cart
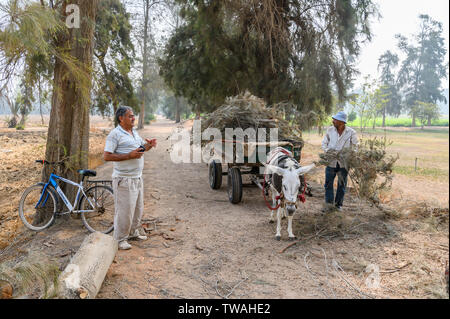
[[254, 154]]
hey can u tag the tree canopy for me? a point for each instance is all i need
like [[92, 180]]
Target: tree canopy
[[114, 52], [292, 51], [424, 67]]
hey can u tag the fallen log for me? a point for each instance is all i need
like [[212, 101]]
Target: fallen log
[[87, 269]]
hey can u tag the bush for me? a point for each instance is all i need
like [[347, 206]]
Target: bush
[[20, 127], [352, 116], [149, 118], [368, 167]]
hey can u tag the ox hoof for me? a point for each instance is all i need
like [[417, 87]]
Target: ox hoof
[[278, 238], [292, 238]]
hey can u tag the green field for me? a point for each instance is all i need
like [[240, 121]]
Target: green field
[[429, 148], [398, 122]]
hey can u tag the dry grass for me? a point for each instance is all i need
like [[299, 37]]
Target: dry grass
[[18, 170], [415, 230], [429, 183], [35, 276]]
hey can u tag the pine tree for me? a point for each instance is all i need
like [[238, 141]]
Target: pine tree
[[424, 67], [279, 50]]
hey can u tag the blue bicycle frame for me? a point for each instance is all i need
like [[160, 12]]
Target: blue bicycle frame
[[52, 181]]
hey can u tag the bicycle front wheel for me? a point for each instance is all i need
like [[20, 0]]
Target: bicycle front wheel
[[98, 212], [37, 209]]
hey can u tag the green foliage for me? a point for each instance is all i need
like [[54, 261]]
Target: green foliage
[[114, 51], [283, 52], [149, 117], [170, 104], [352, 116], [364, 104], [30, 38], [389, 88], [369, 166], [424, 67], [398, 122], [425, 112]]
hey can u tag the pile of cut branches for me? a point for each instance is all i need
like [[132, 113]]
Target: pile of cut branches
[[248, 111], [368, 166]]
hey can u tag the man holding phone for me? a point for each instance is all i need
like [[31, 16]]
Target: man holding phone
[[126, 149]]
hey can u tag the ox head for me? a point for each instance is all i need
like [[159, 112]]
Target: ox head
[[291, 182]]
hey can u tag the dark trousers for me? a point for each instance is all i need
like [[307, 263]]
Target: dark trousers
[[330, 175]]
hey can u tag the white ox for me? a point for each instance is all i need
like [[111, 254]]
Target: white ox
[[285, 185]]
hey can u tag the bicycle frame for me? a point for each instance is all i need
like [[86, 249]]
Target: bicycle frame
[[52, 181]]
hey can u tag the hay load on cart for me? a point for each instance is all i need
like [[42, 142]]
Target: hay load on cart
[[241, 113]]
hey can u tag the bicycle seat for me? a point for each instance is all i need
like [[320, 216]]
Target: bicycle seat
[[87, 172]]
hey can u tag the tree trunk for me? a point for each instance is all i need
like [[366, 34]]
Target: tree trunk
[[40, 100], [413, 123], [177, 110], [68, 131], [144, 65], [429, 121], [115, 108], [384, 117]]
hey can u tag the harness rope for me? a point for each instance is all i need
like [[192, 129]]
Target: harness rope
[[301, 197]]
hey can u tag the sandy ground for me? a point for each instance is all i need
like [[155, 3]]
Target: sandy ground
[[201, 246]]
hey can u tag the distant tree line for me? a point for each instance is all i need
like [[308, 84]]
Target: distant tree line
[[412, 86]]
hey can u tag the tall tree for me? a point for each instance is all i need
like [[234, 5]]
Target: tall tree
[[68, 132], [281, 50], [25, 101], [114, 52], [389, 86], [424, 67]]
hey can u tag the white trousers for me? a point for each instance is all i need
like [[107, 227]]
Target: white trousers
[[129, 206]]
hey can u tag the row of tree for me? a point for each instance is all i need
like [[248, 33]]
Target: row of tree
[[301, 53], [412, 86], [84, 55]]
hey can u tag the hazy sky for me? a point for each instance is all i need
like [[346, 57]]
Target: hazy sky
[[400, 16]]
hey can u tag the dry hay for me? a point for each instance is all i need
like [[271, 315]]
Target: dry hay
[[369, 167], [248, 111], [34, 277], [18, 171]]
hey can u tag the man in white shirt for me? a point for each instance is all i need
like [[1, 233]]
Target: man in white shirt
[[126, 148], [337, 138]]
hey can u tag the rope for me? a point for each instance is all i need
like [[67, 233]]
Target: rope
[[301, 197]]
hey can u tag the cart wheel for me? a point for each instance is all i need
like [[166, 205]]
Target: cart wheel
[[215, 175], [234, 185]]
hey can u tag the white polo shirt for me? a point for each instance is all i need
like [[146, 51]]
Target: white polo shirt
[[332, 140], [120, 141]]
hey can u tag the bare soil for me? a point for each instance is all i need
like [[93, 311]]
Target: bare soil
[[201, 246]]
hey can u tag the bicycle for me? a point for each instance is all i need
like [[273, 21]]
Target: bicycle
[[38, 206]]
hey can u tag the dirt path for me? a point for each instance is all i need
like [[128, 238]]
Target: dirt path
[[205, 247]]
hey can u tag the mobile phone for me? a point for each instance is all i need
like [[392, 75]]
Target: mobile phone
[[141, 149]]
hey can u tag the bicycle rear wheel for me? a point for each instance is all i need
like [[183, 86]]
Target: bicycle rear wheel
[[37, 215], [100, 217]]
